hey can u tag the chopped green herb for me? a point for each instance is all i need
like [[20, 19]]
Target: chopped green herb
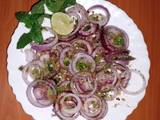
[[81, 65], [97, 58], [36, 73], [49, 92], [119, 41], [49, 65], [96, 17], [95, 105], [66, 61]]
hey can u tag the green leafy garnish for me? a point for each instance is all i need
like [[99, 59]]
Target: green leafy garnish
[[119, 41], [67, 3], [34, 35], [59, 5], [38, 7], [29, 19], [24, 40], [34, 19]]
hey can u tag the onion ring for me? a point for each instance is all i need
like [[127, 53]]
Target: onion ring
[[37, 97], [140, 90], [104, 20], [46, 45]]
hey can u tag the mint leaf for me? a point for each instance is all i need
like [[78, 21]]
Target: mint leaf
[[24, 40], [37, 18], [29, 19], [25, 18], [67, 3], [36, 34], [38, 7], [59, 5], [54, 5]]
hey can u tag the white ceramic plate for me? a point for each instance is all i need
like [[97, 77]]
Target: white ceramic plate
[[117, 110]]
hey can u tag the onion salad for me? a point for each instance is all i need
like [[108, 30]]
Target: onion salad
[[82, 66]]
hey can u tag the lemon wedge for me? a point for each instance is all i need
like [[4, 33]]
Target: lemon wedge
[[62, 23]]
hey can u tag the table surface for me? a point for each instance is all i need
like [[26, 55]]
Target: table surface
[[145, 13]]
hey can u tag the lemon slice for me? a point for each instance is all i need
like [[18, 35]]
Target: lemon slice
[[62, 23]]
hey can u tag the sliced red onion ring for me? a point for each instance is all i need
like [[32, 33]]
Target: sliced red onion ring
[[140, 90], [82, 45], [124, 78], [83, 84], [46, 45], [106, 79], [71, 70], [69, 37], [123, 75], [37, 93], [99, 57], [92, 106], [93, 39], [71, 110], [111, 33], [122, 62], [60, 46], [80, 11], [98, 50], [61, 108], [90, 113], [27, 70], [88, 29], [104, 14], [66, 53], [77, 11], [87, 59]]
